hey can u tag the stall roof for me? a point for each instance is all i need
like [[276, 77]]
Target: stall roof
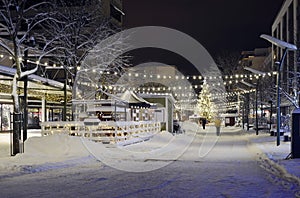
[[133, 99]]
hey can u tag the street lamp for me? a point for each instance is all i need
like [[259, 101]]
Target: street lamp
[[245, 108], [287, 47], [256, 119], [256, 91], [271, 112]]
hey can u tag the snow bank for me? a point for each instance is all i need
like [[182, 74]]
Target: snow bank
[[4, 145], [60, 148], [54, 146], [272, 158], [47, 149]]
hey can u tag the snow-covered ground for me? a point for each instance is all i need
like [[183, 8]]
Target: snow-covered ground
[[196, 163], [276, 159]]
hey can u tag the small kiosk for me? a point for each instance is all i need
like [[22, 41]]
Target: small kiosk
[[229, 119]]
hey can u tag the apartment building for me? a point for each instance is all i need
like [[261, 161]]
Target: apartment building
[[286, 27]]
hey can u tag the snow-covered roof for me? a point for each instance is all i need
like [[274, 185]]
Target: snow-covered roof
[[229, 115], [132, 98], [33, 77]]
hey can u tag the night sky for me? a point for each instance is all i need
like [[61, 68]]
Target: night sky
[[219, 25]]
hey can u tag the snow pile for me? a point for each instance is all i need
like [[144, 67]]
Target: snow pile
[[273, 160], [47, 149], [4, 145], [159, 151], [156, 142], [153, 153], [59, 146], [5, 139]]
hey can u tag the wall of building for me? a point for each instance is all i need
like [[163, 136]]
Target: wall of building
[[258, 59], [286, 27]]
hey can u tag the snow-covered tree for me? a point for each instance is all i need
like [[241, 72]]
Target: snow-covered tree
[[290, 85], [77, 29], [292, 92], [228, 62], [84, 29], [18, 21], [205, 106], [101, 68], [64, 32]]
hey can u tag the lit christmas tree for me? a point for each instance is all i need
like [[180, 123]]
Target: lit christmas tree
[[204, 106]]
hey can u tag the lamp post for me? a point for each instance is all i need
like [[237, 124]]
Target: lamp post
[[256, 93], [65, 88], [256, 107], [25, 100], [287, 47], [271, 112], [245, 111], [248, 101]]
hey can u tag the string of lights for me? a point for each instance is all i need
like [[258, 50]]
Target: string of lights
[[188, 77], [226, 80], [49, 65], [158, 88]]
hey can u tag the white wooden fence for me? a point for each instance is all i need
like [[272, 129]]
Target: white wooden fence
[[104, 131]]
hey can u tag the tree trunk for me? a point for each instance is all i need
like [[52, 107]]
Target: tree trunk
[[17, 116]]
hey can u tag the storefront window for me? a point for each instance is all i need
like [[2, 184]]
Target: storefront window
[[34, 118]]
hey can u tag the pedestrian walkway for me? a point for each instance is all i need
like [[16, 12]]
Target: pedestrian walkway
[[264, 143], [235, 164]]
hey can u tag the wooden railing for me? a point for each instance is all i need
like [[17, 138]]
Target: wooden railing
[[104, 131]]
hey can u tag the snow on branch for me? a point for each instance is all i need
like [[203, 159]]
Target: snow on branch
[[6, 48], [28, 72], [292, 99]]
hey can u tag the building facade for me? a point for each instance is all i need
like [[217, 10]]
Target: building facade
[[259, 59], [286, 27]]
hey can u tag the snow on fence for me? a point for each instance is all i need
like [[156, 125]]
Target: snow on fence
[[104, 131]]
